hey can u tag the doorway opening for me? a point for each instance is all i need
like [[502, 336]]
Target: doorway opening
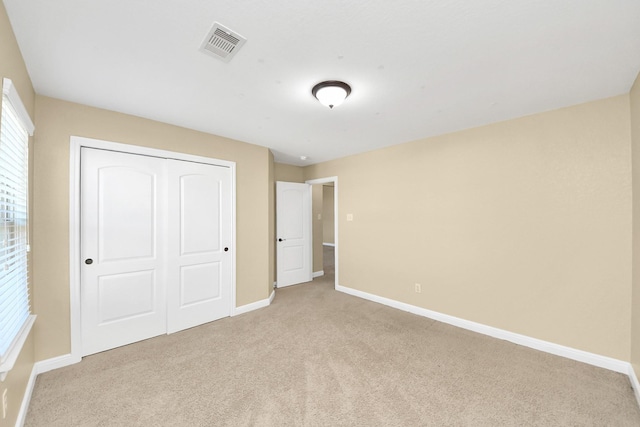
[[325, 246]]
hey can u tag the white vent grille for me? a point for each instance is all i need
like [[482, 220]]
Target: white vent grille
[[222, 43]]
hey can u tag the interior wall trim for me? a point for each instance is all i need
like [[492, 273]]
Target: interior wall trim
[[318, 273], [55, 363], [26, 399], [635, 384], [40, 368], [253, 306], [534, 343]]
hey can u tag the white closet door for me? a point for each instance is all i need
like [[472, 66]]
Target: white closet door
[[199, 244], [123, 235]]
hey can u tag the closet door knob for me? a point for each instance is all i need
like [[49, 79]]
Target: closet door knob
[[88, 261], [226, 249]]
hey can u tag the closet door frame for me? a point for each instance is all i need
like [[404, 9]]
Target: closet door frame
[[76, 143]]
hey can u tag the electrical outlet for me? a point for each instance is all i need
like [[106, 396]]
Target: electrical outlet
[[4, 403], [418, 288]]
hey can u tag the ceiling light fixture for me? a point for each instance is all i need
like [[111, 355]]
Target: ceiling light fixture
[[331, 93]]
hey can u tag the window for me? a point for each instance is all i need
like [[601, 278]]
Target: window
[[15, 316]]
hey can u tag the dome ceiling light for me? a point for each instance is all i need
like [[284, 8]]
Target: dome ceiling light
[[331, 93]]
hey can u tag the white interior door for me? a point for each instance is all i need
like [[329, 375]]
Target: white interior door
[[123, 229], [199, 245], [293, 230]]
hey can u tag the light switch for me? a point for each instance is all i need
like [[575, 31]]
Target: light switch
[[349, 217]]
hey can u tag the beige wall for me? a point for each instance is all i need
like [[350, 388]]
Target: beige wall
[[316, 221], [328, 221], [288, 173], [523, 225], [12, 66], [635, 302], [57, 121]]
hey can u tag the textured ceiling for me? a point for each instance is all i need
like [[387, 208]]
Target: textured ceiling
[[417, 68]]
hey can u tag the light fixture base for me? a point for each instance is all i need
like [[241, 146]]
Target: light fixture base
[[331, 93]]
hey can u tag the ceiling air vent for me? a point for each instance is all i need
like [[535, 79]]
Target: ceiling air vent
[[222, 43]]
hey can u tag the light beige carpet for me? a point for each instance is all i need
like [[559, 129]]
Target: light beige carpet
[[317, 357]]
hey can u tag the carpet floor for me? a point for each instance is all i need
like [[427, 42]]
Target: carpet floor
[[317, 357]]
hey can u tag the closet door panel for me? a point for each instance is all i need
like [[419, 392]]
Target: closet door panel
[[123, 293], [199, 252]]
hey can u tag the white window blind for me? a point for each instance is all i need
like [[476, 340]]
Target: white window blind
[[15, 314]]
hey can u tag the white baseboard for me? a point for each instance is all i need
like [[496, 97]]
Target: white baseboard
[[318, 273], [252, 306], [537, 344], [26, 399], [634, 383], [328, 244], [55, 363], [40, 368], [272, 296]]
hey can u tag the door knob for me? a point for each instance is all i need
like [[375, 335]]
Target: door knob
[[226, 249], [88, 261], [281, 240]]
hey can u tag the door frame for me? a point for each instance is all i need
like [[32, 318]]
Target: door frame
[[75, 145], [327, 180]]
